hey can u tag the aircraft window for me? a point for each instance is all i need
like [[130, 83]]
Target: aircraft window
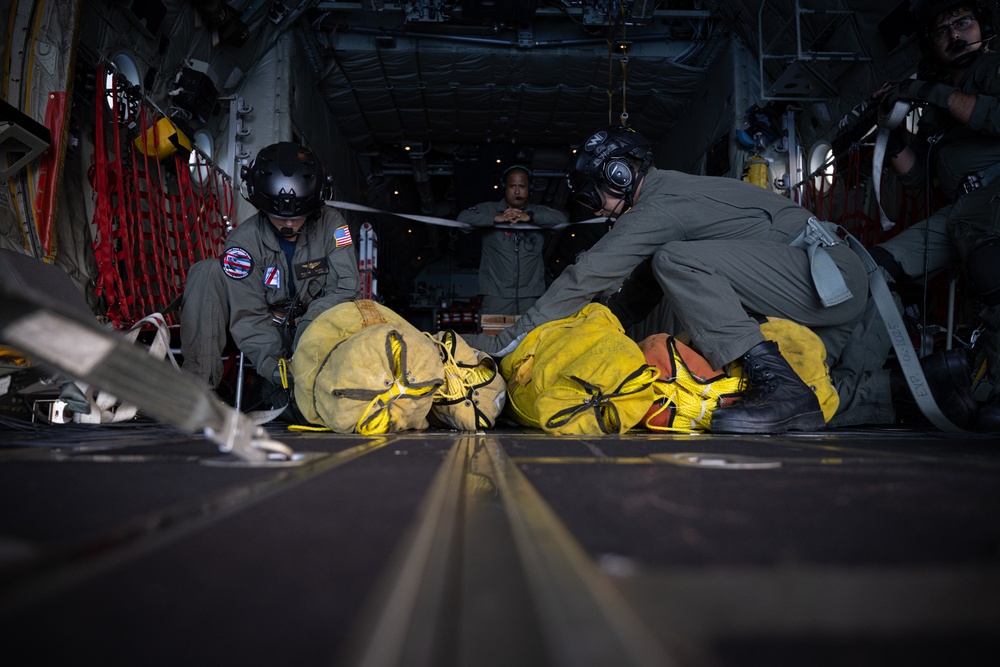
[[821, 165], [198, 164], [124, 67]]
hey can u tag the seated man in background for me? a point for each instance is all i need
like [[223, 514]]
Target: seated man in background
[[958, 146], [281, 268]]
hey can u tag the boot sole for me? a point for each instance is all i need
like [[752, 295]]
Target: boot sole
[[808, 421]]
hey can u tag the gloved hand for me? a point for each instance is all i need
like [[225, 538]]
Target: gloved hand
[[921, 92]]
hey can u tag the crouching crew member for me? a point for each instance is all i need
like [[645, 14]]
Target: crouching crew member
[[281, 268], [720, 249]]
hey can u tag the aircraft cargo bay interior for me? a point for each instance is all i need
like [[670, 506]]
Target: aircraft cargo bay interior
[[476, 332]]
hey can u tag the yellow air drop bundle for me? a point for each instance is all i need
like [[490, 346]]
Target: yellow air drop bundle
[[361, 368], [473, 394], [579, 375]]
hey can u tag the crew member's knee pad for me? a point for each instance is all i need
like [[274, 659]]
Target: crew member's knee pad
[[982, 270], [885, 259]]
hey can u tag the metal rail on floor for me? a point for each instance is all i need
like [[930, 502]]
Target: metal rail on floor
[[485, 542]]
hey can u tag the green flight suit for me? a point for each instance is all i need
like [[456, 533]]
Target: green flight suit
[[719, 251], [950, 233], [512, 269], [252, 282]]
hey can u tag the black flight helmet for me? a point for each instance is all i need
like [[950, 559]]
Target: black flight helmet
[[612, 160], [286, 181]]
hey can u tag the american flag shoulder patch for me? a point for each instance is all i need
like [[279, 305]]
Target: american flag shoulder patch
[[342, 236]]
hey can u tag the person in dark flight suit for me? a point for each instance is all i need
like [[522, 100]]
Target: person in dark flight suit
[[958, 143]]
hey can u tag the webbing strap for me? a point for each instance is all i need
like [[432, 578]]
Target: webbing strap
[[894, 120], [445, 222], [827, 278], [88, 353], [147, 236], [907, 356]]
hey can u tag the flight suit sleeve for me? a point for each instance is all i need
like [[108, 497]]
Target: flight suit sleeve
[[481, 215], [985, 116], [544, 216], [635, 237]]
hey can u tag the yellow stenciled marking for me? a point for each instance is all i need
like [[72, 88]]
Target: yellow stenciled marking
[[652, 459], [619, 460], [303, 427]]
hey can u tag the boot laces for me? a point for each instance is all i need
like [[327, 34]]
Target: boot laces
[[759, 381]]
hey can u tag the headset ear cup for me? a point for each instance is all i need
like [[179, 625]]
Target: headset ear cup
[[618, 173]]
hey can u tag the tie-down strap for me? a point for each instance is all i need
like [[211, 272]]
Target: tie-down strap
[[905, 354], [826, 275]]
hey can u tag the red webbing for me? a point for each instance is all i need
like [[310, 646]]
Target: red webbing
[[152, 224], [50, 170], [857, 212], [107, 188]]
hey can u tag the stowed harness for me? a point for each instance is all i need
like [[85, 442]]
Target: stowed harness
[[831, 288]]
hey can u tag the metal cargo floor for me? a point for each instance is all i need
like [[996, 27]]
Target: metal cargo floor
[[138, 545]]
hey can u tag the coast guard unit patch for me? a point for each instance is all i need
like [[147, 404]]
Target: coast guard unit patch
[[272, 277], [342, 236], [237, 263]]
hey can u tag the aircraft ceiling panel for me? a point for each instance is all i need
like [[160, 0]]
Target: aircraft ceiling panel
[[473, 94]]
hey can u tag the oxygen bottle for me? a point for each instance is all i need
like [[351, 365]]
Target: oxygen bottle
[[755, 171]]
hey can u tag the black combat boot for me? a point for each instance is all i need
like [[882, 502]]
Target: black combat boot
[[777, 400], [950, 380], [988, 419]]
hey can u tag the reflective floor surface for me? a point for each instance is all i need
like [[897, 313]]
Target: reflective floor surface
[[138, 545]]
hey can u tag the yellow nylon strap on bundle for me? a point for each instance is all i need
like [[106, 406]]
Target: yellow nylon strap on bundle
[[688, 390], [9, 355], [283, 372], [377, 416]]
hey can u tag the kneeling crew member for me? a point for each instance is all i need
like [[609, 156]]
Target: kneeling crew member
[[281, 268]]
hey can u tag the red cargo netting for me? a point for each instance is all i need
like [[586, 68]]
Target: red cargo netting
[[155, 214]]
